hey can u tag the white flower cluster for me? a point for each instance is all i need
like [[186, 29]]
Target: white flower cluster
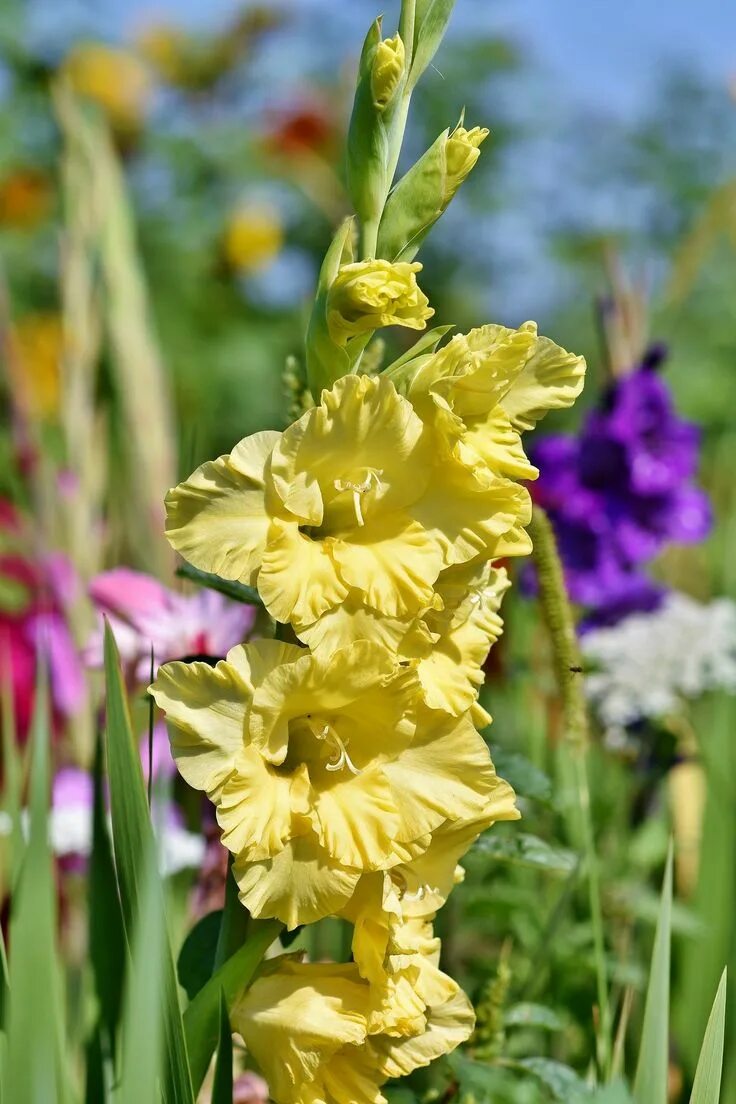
[[647, 663]]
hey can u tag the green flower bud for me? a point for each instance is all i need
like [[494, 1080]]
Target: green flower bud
[[423, 194]]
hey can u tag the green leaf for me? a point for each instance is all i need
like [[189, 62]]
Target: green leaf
[[523, 849], [615, 1093], [526, 779], [414, 205], [34, 1072], [707, 1084], [650, 1083], [425, 346], [4, 983], [196, 960], [107, 941], [222, 1089], [142, 1028], [562, 1082], [239, 592], [94, 1071], [133, 840], [533, 1015], [432, 17], [326, 361], [201, 1019], [12, 777]]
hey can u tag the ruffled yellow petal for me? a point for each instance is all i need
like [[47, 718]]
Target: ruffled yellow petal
[[452, 672], [217, 518], [298, 886], [358, 820], [473, 371], [551, 380], [427, 881], [393, 562], [497, 443], [254, 807], [295, 1019], [467, 515], [206, 710], [448, 1025], [298, 580], [352, 621], [446, 773]]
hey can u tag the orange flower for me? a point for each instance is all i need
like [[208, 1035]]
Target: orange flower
[[25, 197]]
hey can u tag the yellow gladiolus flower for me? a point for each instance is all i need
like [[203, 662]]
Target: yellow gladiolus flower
[[302, 1023], [484, 389], [369, 294], [387, 70], [461, 153], [254, 235], [114, 79], [320, 768], [306, 1025], [345, 514]]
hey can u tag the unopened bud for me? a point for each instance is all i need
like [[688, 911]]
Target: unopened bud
[[387, 70]]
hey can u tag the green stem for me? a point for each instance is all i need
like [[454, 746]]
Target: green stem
[[407, 20], [235, 921], [560, 624]]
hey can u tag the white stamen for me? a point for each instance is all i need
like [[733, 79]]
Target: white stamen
[[359, 489], [340, 754]]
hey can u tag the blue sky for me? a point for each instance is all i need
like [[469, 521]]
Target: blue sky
[[608, 53]]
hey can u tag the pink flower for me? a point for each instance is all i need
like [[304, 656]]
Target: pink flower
[[33, 625], [249, 1088], [143, 613]]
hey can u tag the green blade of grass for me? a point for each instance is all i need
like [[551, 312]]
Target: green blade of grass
[[202, 1017], [107, 941], [650, 1084], [222, 1088], [142, 1028], [34, 1070], [707, 1084], [133, 839]]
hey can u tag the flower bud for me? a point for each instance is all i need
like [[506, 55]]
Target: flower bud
[[369, 294], [387, 70], [463, 150]]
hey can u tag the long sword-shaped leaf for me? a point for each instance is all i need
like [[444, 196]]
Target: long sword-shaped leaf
[[707, 1084], [133, 839], [222, 1089], [34, 1070], [202, 1017], [107, 941], [142, 1030], [650, 1085]]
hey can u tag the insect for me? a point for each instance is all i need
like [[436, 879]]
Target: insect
[[576, 670]]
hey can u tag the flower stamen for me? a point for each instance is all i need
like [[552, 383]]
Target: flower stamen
[[359, 489]]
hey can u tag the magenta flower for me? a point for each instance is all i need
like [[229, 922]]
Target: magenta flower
[[145, 614], [34, 627]]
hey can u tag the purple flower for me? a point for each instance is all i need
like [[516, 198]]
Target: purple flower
[[620, 492]]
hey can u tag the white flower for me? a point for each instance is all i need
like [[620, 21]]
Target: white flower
[[647, 663]]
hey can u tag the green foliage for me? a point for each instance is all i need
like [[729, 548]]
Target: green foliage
[[707, 1084], [134, 841]]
